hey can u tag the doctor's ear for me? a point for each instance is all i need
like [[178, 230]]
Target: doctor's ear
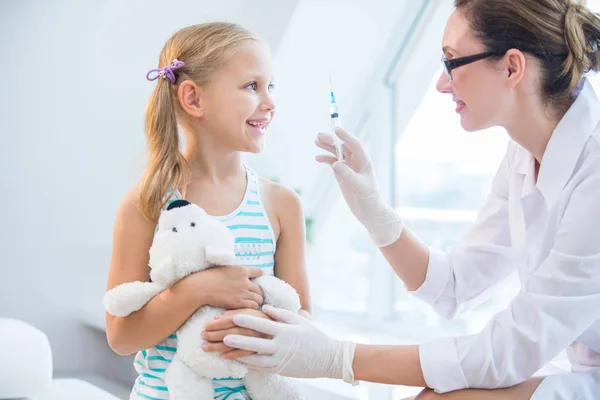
[[514, 64]]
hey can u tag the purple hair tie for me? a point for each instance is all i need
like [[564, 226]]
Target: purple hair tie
[[577, 89], [165, 72]]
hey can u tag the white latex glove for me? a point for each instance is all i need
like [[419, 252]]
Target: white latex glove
[[297, 349], [359, 187]]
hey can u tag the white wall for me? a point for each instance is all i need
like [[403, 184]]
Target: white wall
[[72, 95]]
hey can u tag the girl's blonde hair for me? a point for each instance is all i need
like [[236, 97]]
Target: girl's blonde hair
[[203, 49]]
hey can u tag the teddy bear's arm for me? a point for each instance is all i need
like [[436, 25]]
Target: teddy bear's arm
[[219, 255], [129, 297], [279, 293]]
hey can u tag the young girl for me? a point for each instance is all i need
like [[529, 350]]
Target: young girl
[[215, 82]]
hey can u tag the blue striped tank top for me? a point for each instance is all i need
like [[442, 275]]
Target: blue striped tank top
[[254, 246]]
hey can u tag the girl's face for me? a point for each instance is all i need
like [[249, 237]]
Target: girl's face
[[237, 102]]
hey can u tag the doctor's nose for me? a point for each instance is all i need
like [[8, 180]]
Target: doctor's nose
[[443, 84]]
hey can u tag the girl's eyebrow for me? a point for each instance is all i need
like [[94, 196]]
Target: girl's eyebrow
[[257, 76]]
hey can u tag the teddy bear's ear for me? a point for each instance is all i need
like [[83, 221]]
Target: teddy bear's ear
[[177, 204]]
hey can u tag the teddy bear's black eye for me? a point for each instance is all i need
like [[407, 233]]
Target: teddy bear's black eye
[[174, 229], [193, 224]]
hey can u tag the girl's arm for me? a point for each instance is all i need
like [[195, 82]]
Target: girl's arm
[[287, 216], [167, 311]]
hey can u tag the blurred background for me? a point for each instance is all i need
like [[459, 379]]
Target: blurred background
[[72, 98]]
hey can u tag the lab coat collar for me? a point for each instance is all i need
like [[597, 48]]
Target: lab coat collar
[[564, 147]]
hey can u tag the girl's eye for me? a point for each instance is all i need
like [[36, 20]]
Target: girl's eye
[[252, 86], [271, 87]]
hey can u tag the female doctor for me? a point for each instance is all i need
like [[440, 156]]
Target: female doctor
[[518, 64]]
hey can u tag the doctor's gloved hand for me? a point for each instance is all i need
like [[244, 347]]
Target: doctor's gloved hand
[[359, 187], [297, 348]]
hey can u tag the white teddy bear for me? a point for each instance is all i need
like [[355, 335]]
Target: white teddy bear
[[187, 241]]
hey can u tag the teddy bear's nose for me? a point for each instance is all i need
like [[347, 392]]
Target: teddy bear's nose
[[174, 229]]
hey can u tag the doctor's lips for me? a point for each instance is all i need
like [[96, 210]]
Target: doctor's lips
[[459, 105]]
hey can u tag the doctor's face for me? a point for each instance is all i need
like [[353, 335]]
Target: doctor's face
[[477, 87]]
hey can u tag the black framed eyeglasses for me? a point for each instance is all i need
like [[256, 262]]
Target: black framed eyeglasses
[[449, 65]]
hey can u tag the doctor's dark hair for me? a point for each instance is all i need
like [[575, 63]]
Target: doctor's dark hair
[[563, 35], [203, 49]]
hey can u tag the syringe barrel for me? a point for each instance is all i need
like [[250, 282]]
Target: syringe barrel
[[334, 115]]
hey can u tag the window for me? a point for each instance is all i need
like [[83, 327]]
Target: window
[[443, 176], [340, 259]]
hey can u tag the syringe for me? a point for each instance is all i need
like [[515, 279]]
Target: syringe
[[335, 122]]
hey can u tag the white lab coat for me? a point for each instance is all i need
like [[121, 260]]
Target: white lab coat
[[549, 233]]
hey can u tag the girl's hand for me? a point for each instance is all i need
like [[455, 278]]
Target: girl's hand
[[229, 287], [222, 326]]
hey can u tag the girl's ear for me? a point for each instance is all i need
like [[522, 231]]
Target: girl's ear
[[190, 99]]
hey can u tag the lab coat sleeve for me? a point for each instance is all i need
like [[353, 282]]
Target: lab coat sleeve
[[555, 305], [456, 279]]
